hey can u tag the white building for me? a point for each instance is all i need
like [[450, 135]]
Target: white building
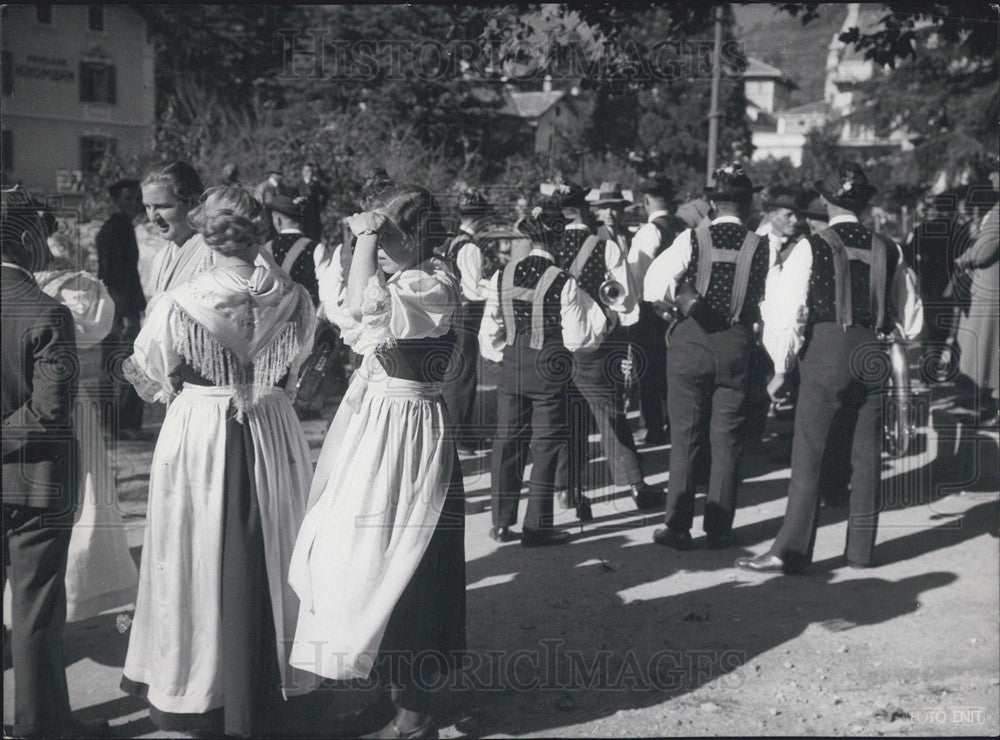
[[784, 135], [78, 80]]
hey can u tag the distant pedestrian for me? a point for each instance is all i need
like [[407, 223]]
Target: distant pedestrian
[[118, 269], [312, 195]]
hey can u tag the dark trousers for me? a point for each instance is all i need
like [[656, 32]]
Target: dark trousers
[[531, 415], [832, 389], [459, 386], [649, 337], [598, 379], [34, 557], [706, 371], [126, 405]]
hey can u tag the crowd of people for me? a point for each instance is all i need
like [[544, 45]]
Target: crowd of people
[[263, 576]]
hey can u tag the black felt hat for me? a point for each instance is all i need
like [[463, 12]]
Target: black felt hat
[[658, 184], [850, 190], [779, 196], [285, 205], [731, 183]]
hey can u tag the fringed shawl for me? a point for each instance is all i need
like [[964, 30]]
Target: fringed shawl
[[244, 334]]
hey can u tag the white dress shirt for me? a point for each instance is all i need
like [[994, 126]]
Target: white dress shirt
[[661, 278], [583, 321], [332, 288], [774, 242], [785, 309], [470, 269]]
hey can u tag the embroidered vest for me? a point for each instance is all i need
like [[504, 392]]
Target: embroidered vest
[[850, 277], [529, 293], [728, 269]]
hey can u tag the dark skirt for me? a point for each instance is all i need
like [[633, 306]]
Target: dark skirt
[[248, 654], [425, 637]]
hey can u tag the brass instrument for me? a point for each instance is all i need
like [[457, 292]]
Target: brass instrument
[[612, 294]]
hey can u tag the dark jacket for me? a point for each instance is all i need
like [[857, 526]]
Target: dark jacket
[[40, 370], [118, 265]]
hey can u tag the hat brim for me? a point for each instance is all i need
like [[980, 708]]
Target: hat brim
[[654, 187], [770, 205], [854, 202], [714, 194], [609, 202]]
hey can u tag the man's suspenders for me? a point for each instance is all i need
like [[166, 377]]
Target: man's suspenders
[[876, 259]]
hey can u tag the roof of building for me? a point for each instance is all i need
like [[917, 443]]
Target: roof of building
[[529, 104], [818, 106], [762, 70]]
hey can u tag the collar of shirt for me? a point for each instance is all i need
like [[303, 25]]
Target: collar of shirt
[[466, 230], [765, 229], [12, 266], [655, 215], [290, 230], [844, 218], [539, 252], [726, 220], [577, 226]]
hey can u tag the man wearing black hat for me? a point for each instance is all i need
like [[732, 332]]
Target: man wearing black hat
[[40, 459], [595, 258], [535, 317], [715, 276], [292, 249], [779, 224], [470, 264], [839, 290], [118, 269], [649, 332]]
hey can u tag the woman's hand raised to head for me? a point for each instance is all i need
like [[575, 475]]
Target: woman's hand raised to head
[[366, 222]]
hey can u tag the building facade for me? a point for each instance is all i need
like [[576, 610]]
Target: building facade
[[78, 82]]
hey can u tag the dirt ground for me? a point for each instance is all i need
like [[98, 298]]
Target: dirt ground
[[614, 636]]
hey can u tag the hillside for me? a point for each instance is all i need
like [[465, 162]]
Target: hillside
[[779, 39]]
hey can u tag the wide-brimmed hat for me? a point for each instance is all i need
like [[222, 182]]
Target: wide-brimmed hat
[[731, 183], [809, 204], [285, 205], [473, 203], [658, 184], [779, 196], [850, 190], [608, 194], [563, 195]]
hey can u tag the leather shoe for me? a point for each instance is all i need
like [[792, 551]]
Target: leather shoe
[[721, 541], [766, 563], [647, 497], [675, 539], [543, 537], [427, 730], [501, 534]]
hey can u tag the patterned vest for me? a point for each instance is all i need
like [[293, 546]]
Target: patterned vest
[[822, 281], [593, 270], [729, 236], [294, 253], [527, 274]]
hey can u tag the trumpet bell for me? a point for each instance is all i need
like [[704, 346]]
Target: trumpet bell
[[612, 294]]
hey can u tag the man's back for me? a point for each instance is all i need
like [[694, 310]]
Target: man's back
[[39, 383]]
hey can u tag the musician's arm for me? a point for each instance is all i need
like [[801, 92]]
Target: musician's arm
[[661, 279]]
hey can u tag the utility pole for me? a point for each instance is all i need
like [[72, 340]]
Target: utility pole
[[713, 113]]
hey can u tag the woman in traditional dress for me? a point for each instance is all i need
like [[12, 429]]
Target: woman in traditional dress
[[379, 563], [100, 572], [168, 194], [228, 485]]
